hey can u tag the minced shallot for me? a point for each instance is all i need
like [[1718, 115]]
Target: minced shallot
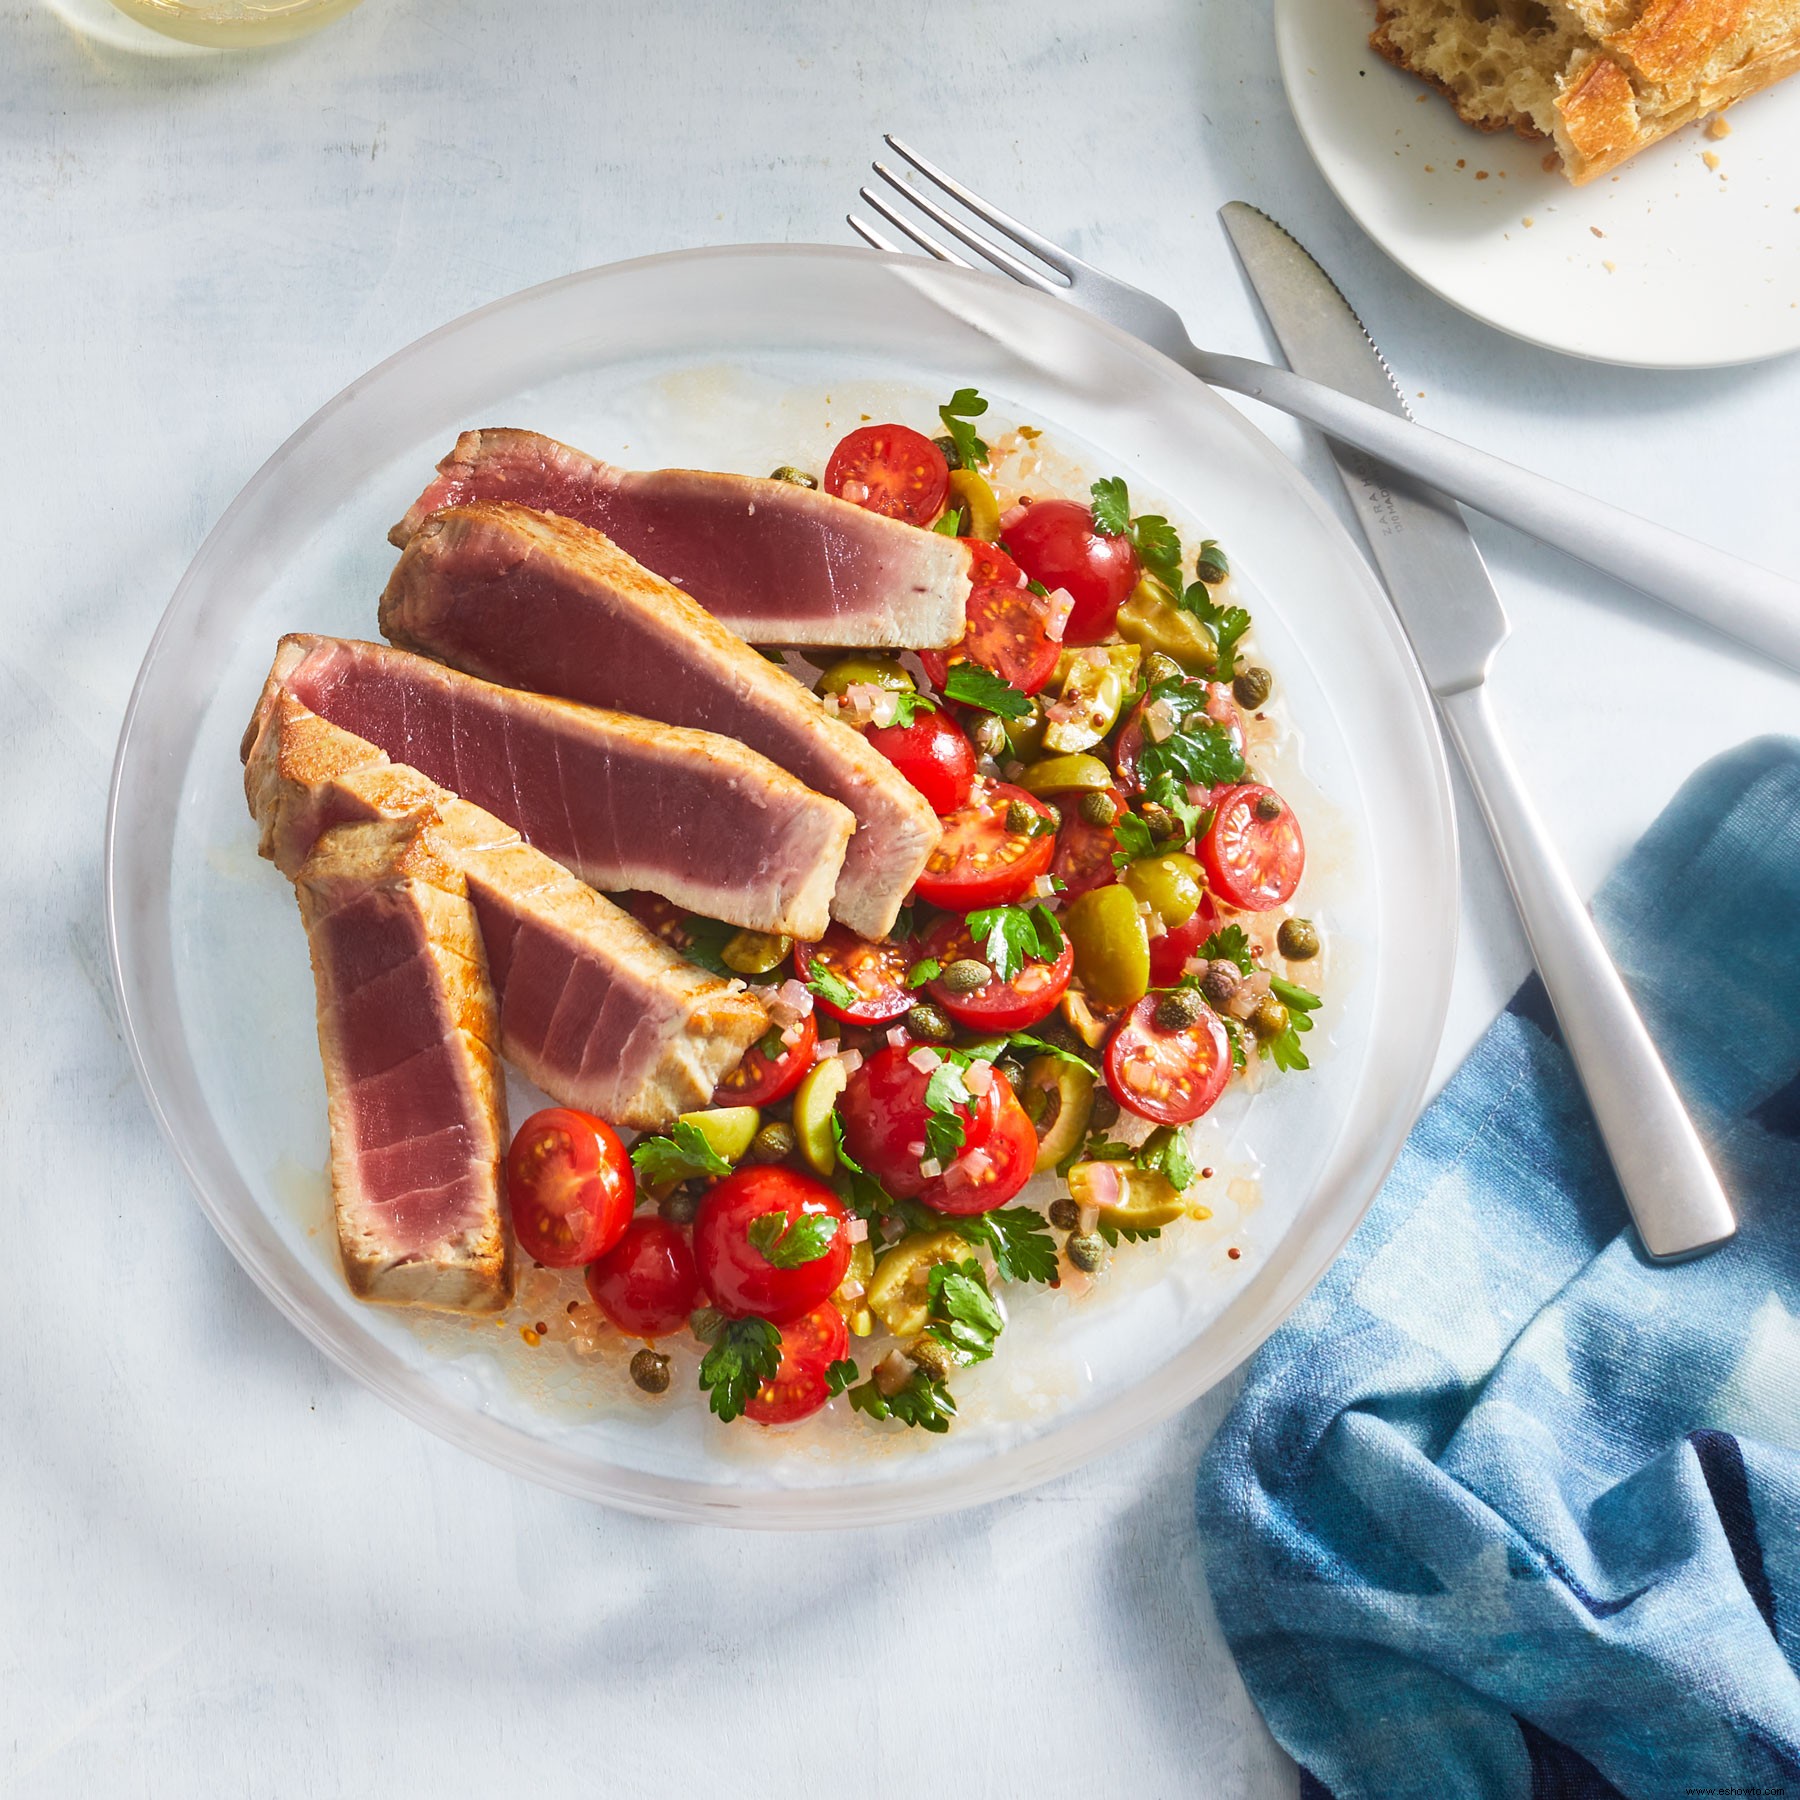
[[925, 1060], [979, 1077], [856, 1231], [898, 1037], [789, 1003], [1056, 619], [852, 1061]]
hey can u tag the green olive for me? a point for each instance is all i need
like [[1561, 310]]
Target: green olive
[[1066, 775], [1297, 940], [1270, 1019], [969, 491], [1144, 1200], [728, 1129], [1149, 620], [814, 1101], [1251, 688], [1026, 736], [900, 1288], [1064, 1094], [851, 1299], [1112, 945], [1173, 886], [794, 477], [755, 952], [1092, 685], [865, 671]]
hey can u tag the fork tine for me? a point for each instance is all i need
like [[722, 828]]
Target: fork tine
[[1064, 262], [1001, 259], [923, 239], [871, 236]]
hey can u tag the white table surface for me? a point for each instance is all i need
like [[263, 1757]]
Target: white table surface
[[227, 1568]]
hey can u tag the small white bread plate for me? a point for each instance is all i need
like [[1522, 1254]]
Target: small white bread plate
[[742, 359], [1688, 258]]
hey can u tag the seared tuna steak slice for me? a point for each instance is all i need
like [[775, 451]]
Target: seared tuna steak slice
[[619, 801], [407, 1031], [532, 601], [774, 562], [594, 1008]]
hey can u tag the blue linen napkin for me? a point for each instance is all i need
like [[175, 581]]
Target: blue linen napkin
[[1505, 1509]]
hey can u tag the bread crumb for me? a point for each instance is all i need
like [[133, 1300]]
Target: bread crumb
[[1711, 159], [1429, 170], [1481, 174], [1528, 222], [1462, 162], [1718, 128], [1612, 268], [1422, 100], [1595, 229], [1551, 163]]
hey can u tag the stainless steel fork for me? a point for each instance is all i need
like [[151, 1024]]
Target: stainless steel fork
[[1753, 605]]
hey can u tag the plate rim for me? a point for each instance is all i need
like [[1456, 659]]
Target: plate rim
[[1177, 1382]]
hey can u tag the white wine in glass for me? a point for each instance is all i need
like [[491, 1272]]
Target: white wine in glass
[[235, 24]]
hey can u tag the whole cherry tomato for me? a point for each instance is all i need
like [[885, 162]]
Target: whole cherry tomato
[[987, 1175], [770, 1242], [933, 754], [886, 1119], [1057, 545], [646, 1284], [570, 1186]]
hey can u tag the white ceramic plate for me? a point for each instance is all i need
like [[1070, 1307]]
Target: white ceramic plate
[[1671, 264], [742, 359]]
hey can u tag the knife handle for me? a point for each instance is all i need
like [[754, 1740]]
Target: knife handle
[[1675, 1198], [1754, 605]]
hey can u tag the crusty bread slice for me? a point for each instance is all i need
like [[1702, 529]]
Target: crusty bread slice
[[1602, 79]]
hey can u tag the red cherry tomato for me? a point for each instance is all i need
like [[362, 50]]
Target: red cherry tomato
[[978, 862], [988, 1174], [1169, 953], [932, 754], [996, 1005], [1055, 543], [1084, 852], [874, 973], [1253, 862], [810, 1344], [884, 1116], [738, 1274], [570, 1186], [1007, 630], [890, 469], [1220, 708], [1168, 1076], [761, 1078], [646, 1284]]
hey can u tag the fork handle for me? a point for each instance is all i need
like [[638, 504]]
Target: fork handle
[[1676, 1201], [1754, 605]]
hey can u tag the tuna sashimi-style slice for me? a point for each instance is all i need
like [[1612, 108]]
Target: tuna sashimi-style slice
[[772, 561], [533, 601], [619, 801], [407, 1030], [594, 1008]]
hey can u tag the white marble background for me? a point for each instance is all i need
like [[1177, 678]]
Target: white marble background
[[226, 1569]]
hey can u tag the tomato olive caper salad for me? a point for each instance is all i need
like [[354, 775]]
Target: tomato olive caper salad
[[1084, 964]]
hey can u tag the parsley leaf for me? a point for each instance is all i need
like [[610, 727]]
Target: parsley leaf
[[1021, 1244], [1199, 749], [949, 522], [965, 1319], [1170, 794], [1227, 623], [908, 704], [1156, 541], [859, 1190], [1132, 1234], [975, 686], [830, 986], [1284, 1049], [743, 1356], [792, 1244], [944, 1129], [1025, 1040], [682, 1153], [840, 1375], [1133, 838], [1011, 936], [927, 968], [1294, 996], [705, 939], [1228, 944], [1165, 1152], [922, 1402], [963, 405], [1112, 506]]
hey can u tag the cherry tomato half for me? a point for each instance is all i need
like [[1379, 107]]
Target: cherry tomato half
[[978, 862], [570, 1185], [741, 1278], [996, 1005], [761, 1079], [1253, 853], [989, 1174], [890, 469], [1055, 543], [874, 973], [1084, 852], [646, 1284], [933, 754], [1169, 953], [1220, 708], [810, 1344], [1168, 1076], [884, 1116], [1007, 630]]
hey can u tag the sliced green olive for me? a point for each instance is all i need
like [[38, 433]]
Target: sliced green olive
[[1149, 620], [1146, 1199], [900, 1289], [852, 1296], [1066, 775], [729, 1129], [755, 952], [794, 477], [1025, 737], [969, 491], [1112, 945], [1172, 886], [814, 1100], [1067, 1098], [865, 671], [1092, 685]]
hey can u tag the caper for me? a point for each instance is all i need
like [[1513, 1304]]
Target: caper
[[1214, 565], [1268, 807], [952, 455], [1106, 1111], [966, 974], [1011, 1070], [1022, 818], [679, 1205], [1220, 982], [1159, 667], [650, 1371], [1099, 809], [774, 1143], [706, 1323], [1087, 1251], [1065, 1215], [1178, 1010], [989, 735], [1251, 688], [795, 478], [1297, 940], [1058, 1031], [1270, 1019], [930, 1024], [755, 952], [865, 670], [1163, 823], [929, 1354]]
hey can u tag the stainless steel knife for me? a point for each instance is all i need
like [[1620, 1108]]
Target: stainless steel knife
[[1446, 601]]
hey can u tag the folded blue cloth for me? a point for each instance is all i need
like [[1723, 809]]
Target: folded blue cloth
[[1506, 1509]]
